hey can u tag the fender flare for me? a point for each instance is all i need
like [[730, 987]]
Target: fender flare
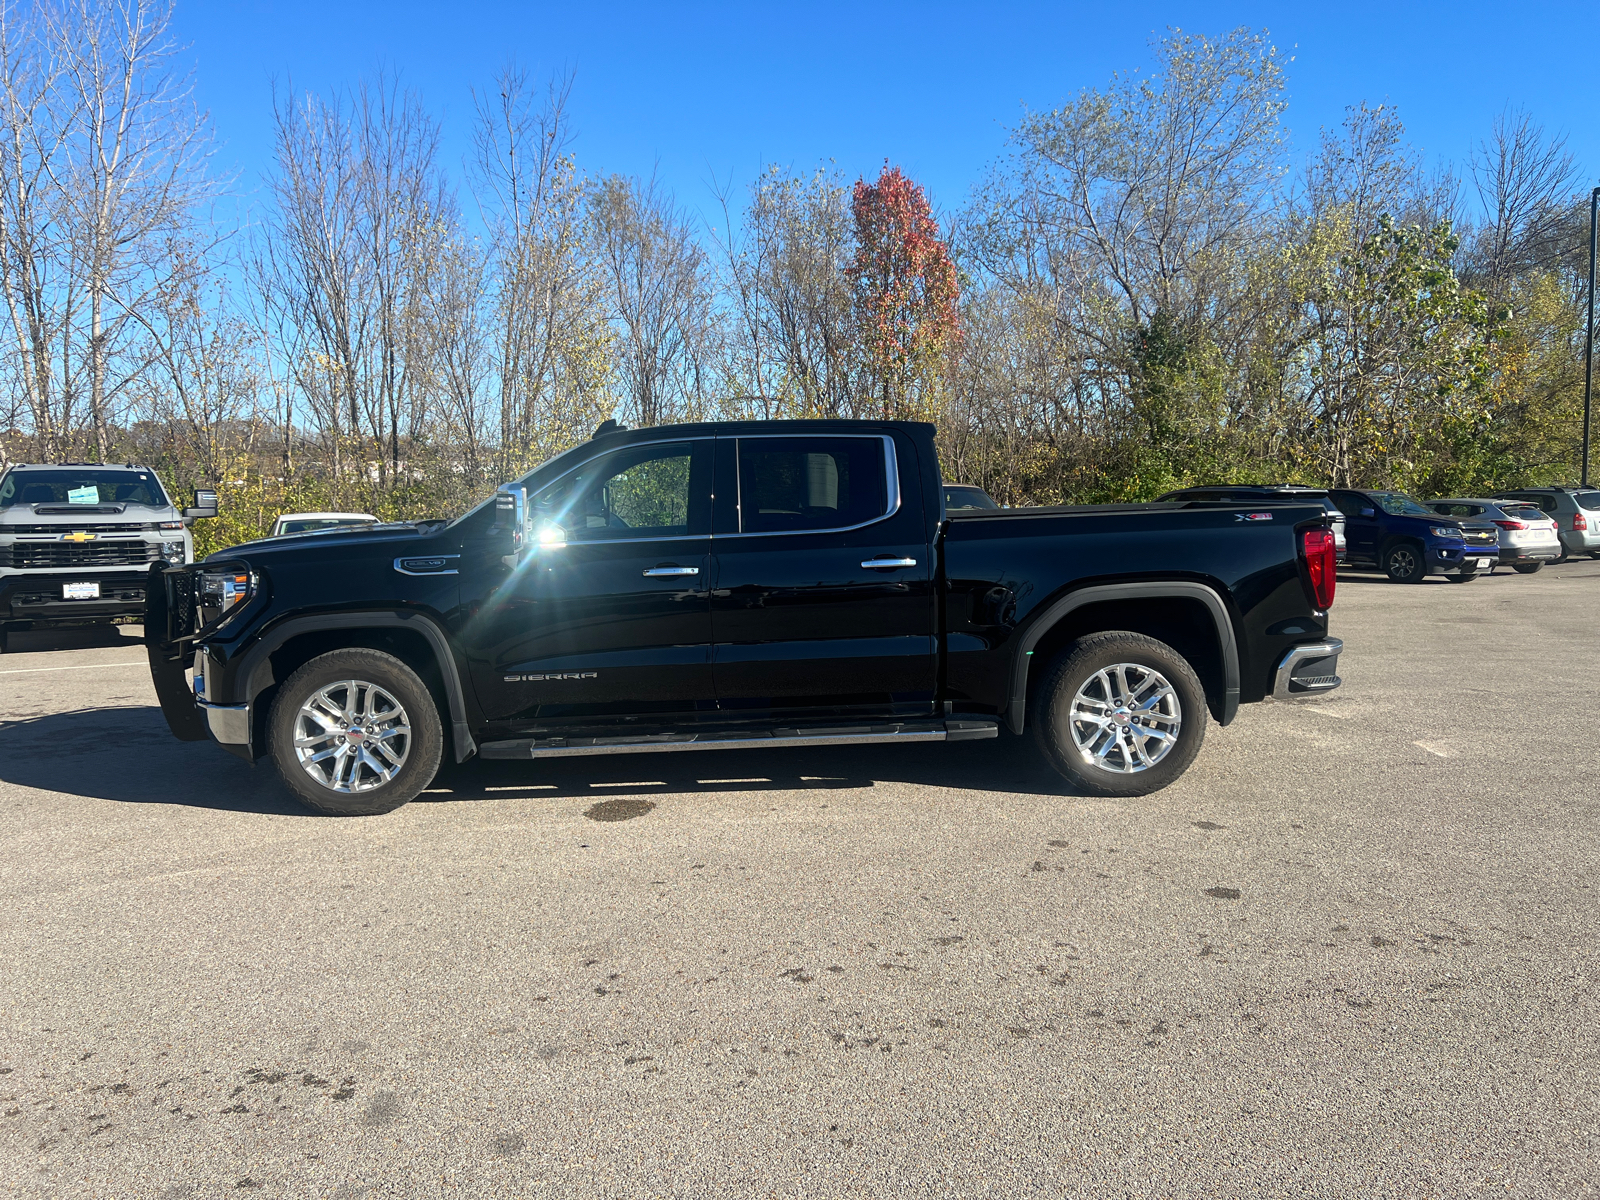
[[1016, 707], [256, 669]]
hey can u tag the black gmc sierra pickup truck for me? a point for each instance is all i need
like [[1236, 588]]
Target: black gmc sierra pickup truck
[[739, 585]]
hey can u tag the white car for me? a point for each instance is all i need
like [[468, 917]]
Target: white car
[[307, 522]]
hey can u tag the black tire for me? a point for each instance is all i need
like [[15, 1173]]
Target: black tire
[[419, 754], [1403, 562], [1058, 735], [1463, 576], [1527, 568]]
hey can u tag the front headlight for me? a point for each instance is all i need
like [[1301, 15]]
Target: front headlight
[[221, 591], [172, 551], [1446, 531]]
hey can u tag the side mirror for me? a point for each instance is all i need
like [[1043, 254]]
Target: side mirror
[[205, 505], [1369, 512], [511, 521]]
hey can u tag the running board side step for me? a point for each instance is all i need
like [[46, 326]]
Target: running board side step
[[952, 729]]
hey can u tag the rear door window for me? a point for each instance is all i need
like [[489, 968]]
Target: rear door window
[[1351, 503], [798, 484]]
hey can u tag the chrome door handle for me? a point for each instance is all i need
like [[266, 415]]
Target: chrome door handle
[[658, 572], [877, 563]]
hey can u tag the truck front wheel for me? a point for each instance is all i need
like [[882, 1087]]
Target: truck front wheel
[[355, 733], [1403, 563], [1120, 714]]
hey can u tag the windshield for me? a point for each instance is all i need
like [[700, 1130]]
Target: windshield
[[1398, 504], [82, 485], [1589, 499]]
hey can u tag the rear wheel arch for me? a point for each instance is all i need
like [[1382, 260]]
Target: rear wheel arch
[[413, 639], [1191, 617]]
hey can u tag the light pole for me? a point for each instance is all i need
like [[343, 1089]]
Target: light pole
[[1588, 339]]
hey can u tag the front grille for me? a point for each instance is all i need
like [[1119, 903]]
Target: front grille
[[32, 556], [125, 527], [1480, 537]]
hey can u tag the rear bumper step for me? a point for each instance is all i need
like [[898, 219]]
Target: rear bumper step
[[1308, 670], [954, 729]]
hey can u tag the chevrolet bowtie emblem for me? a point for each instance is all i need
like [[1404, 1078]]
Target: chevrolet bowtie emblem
[[77, 535]]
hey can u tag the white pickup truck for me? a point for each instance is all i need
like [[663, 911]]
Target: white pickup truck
[[77, 541]]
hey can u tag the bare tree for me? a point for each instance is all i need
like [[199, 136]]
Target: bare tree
[[792, 339], [35, 263], [660, 291], [551, 340], [102, 166], [361, 209], [134, 172], [201, 397], [1154, 183], [1525, 180]]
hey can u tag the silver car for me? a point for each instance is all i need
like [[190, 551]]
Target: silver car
[[1528, 537], [1575, 510]]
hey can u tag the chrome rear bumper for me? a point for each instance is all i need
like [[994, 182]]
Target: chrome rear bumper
[[1308, 670]]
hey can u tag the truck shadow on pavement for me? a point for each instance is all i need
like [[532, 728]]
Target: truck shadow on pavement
[[80, 637], [128, 755]]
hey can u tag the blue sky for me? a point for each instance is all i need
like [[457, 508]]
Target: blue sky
[[703, 91]]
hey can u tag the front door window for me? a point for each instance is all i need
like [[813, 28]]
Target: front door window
[[638, 493]]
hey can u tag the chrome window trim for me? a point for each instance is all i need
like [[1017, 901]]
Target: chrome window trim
[[891, 468], [682, 537], [891, 464]]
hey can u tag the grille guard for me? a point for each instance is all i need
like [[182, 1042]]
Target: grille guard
[[169, 613]]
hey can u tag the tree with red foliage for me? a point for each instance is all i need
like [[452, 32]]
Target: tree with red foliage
[[905, 292]]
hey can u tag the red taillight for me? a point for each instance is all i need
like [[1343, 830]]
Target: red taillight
[[1512, 524], [1579, 524], [1320, 552]]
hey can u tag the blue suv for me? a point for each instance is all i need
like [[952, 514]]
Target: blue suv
[[1391, 532]]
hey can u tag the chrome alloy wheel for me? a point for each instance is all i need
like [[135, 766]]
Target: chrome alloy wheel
[[352, 736], [1125, 718]]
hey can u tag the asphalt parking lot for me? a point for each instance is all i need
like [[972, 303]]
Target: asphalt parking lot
[[1351, 953]]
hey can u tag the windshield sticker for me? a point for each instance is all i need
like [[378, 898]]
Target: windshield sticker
[[83, 495]]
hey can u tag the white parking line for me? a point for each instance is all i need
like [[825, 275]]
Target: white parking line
[[1436, 749], [85, 667]]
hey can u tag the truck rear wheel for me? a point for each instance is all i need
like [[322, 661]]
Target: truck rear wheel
[[355, 733], [1120, 714]]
